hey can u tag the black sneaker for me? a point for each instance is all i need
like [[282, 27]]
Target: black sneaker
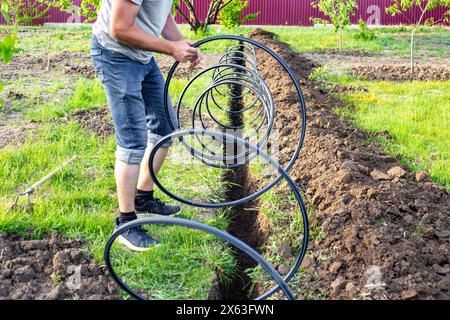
[[135, 239], [156, 206]]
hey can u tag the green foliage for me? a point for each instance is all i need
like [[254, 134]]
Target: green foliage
[[364, 32], [23, 12], [88, 8], [231, 16], [400, 6], [7, 47], [7, 43], [212, 15], [337, 12], [5, 12], [319, 73]]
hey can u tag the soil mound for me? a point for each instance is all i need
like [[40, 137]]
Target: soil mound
[[97, 121], [385, 234], [54, 268], [390, 72]]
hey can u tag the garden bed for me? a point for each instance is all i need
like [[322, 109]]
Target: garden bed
[[383, 231]]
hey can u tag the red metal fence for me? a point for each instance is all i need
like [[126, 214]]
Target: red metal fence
[[287, 12]]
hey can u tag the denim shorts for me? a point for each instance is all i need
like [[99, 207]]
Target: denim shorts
[[135, 95]]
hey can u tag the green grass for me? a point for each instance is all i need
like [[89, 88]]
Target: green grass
[[415, 114], [80, 201], [87, 95], [431, 42]]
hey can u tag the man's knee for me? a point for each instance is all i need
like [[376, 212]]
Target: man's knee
[[129, 156], [153, 138]]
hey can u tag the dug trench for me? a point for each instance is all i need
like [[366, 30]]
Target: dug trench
[[384, 231], [244, 218]]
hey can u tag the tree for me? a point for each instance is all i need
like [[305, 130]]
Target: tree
[[337, 12], [23, 12], [87, 9], [400, 6], [232, 15], [214, 8]]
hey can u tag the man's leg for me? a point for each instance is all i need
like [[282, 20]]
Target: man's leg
[[126, 180], [122, 80], [158, 127], [145, 182]]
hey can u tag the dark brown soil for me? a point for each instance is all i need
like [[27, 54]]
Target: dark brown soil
[[97, 121], [45, 65], [54, 268], [385, 235], [389, 72], [85, 70]]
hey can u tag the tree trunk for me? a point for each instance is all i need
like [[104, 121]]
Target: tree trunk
[[412, 54]]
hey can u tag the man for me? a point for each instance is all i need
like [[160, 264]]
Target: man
[[124, 36]]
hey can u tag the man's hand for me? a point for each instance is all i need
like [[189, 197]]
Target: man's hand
[[183, 51], [197, 59]]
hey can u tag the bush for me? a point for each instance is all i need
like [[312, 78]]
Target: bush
[[364, 32], [231, 16], [24, 12], [88, 8]]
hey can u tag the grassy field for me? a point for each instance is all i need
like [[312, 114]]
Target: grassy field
[[431, 41]]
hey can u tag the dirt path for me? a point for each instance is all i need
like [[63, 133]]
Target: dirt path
[[386, 235]]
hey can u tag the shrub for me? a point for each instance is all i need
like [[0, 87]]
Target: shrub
[[364, 32], [23, 12], [231, 16]]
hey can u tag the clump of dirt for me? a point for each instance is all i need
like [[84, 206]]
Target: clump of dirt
[[388, 72], [85, 70], [98, 121], [14, 135], [385, 234], [53, 268], [13, 95]]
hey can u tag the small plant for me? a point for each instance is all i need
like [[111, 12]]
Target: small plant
[[232, 15], [7, 43], [337, 12], [365, 33], [319, 73]]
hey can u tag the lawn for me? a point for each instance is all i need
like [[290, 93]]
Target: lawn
[[415, 114]]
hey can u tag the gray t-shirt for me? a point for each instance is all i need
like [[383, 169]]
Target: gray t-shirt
[[151, 18]]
